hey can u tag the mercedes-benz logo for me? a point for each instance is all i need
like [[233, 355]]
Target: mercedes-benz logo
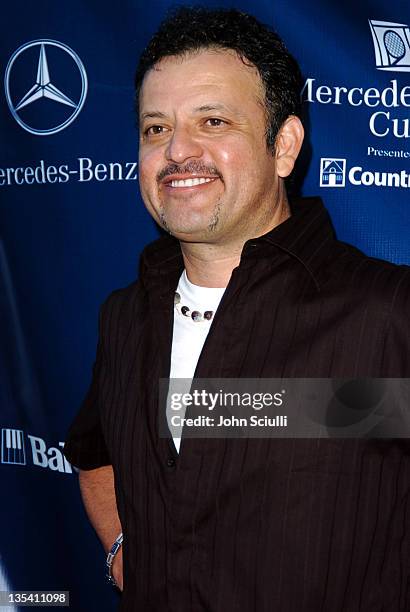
[[44, 87]]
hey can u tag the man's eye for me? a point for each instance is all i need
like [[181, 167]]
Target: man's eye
[[215, 122], [154, 130]]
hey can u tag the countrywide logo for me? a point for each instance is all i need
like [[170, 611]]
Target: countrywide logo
[[334, 172]]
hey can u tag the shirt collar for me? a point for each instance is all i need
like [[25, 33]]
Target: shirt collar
[[307, 236]]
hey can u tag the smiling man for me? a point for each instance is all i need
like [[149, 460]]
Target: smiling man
[[246, 283], [203, 173]]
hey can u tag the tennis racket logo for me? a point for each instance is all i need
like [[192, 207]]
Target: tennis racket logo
[[391, 45]]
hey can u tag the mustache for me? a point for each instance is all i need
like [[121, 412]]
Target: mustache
[[192, 167]]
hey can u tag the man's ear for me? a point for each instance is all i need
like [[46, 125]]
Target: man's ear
[[288, 144]]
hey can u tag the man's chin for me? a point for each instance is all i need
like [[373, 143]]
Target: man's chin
[[189, 230], [192, 233]]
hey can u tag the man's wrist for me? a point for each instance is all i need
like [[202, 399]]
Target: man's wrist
[[110, 558]]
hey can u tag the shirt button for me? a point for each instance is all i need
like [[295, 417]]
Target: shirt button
[[171, 462]]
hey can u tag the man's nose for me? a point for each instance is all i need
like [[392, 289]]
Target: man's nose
[[182, 146]]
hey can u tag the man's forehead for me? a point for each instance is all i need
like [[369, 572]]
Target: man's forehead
[[203, 108], [199, 76]]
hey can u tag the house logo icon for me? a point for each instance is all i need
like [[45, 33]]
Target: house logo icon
[[12, 446], [391, 45], [332, 172]]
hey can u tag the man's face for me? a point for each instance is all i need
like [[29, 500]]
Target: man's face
[[205, 172]]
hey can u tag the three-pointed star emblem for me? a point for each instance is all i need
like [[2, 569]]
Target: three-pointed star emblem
[[43, 88]]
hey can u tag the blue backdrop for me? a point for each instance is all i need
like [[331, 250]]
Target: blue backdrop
[[72, 223]]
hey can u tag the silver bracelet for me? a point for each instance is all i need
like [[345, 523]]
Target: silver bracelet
[[110, 558]]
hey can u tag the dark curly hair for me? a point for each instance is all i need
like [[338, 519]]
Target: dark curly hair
[[190, 29]]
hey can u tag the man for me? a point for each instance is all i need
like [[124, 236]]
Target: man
[[246, 284]]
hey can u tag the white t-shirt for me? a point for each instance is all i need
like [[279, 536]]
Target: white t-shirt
[[189, 336]]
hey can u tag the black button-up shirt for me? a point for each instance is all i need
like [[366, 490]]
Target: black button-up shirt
[[256, 525]]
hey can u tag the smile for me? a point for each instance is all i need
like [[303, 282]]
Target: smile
[[191, 182]]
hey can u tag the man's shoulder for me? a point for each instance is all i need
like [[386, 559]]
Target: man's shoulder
[[360, 259], [117, 310], [350, 269], [121, 296], [126, 299]]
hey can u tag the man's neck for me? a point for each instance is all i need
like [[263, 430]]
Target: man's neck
[[207, 267], [211, 265]]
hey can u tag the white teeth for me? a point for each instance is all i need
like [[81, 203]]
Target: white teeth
[[191, 182]]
